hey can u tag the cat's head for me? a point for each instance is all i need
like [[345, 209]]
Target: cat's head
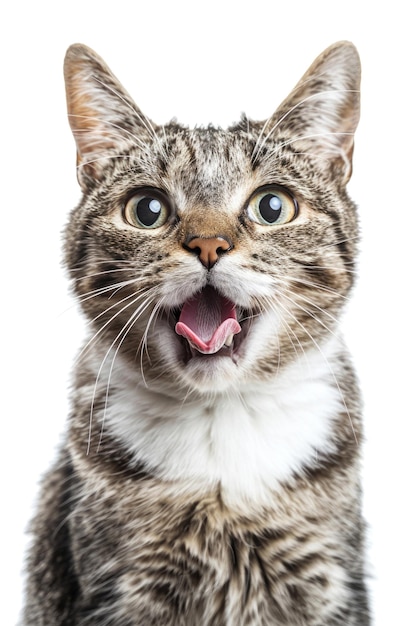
[[210, 258]]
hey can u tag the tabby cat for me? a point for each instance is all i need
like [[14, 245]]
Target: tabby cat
[[210, 472]]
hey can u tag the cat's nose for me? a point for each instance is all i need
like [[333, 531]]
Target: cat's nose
[[208, 249]]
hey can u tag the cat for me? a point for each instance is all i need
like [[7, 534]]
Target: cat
[[210, 474]]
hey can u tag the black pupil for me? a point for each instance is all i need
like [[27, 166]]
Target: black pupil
[[270, 208], [148, 211]]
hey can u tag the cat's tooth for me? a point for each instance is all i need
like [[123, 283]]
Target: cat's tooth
[[229, 340]]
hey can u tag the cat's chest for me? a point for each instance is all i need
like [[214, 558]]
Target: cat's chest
[[248, 442], [184, 560]]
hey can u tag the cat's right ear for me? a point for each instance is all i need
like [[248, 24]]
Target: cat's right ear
[[102, 115]]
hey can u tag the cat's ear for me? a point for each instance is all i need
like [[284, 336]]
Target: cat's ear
[[321, 113], [102, 115]]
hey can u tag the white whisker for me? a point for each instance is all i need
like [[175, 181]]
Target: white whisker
[[143, 344], [133, 296], [135, 316], [122, 336], [331, 371]]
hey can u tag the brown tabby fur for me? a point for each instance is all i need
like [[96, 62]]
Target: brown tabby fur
[[161, 510]]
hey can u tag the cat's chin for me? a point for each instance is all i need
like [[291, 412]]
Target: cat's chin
[[207, 372], [211, 373]]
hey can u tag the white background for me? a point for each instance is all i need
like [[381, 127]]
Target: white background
[[201, 63]]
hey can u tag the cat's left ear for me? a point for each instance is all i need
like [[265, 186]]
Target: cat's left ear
[[102, 115], [321, 113]]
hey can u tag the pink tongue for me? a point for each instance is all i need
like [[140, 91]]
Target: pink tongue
[[207, 320]]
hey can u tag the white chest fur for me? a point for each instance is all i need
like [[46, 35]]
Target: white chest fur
[[247, 441]]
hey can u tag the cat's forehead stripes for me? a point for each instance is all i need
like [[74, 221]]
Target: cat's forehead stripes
[[209, 164]]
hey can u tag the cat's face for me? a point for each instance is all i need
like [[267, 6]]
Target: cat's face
[[210, 258]]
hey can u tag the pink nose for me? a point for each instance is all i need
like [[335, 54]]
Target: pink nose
[[208, 249]]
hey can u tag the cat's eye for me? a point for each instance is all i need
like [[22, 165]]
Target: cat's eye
[[271, 206], [147, 209]]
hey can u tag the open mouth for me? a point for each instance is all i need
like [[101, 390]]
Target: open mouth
[[210, 324]]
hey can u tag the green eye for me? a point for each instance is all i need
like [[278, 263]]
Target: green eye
[[147, 209], [271, 206]]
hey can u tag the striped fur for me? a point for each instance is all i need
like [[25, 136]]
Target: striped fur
[[208, 489]]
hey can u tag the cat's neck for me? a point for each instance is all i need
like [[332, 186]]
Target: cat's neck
[[248, 441]]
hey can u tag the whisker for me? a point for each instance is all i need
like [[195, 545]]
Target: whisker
[[332, 268], [105, 261], [331, 371], [136, 296], [122, 335], [143, 343], [114, 288], [310, 302], [309, 313], [94, 293], [318, 287], [135, 316], [95, 274]]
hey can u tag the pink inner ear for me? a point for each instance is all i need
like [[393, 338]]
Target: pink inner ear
[[207, 320]]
